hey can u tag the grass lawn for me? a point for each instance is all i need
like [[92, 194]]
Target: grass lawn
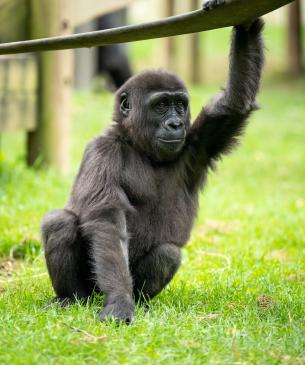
[[239, 296]]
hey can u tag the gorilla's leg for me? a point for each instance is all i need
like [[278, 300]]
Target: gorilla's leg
[[105, 229], [65, 258], [153, 272]]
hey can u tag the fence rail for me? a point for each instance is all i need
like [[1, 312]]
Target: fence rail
[[233, 13]]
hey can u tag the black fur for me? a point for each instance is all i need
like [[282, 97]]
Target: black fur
[[134, 199]]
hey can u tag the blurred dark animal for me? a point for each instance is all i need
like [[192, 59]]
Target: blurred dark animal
[[113, 59], [134, 199]]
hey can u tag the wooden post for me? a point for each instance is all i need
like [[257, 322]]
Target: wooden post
[[168, 44], [49, 144], [190, 56], [13, 24], [85, 60], [295, 46], [194, 45]]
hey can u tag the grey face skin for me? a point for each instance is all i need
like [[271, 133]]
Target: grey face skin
[[170, 109], [166, 118], [134, 199]]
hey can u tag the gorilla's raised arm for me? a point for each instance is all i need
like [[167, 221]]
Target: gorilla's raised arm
[[217, 128]]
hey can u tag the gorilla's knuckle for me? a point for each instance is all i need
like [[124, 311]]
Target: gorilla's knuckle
[[212, 4], [120, 311]]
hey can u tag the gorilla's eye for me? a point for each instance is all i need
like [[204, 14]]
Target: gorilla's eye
[[160, 106], [180, 106]]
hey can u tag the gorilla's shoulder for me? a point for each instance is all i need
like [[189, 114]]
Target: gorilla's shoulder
[[106, 145]]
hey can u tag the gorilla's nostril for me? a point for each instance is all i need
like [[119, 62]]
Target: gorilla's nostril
[[174, 124]]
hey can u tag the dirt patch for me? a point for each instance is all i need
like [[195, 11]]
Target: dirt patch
[[277, 255], [235, 306], [8, 267], [191, 344], [265, 301], [208, 317], [220, 227], [287, 359], [298, 277]]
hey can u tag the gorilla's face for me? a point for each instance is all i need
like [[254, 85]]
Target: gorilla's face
[[157, 122], [168, 111], [153, 108]]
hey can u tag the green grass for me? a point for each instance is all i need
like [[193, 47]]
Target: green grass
[[239, 295]]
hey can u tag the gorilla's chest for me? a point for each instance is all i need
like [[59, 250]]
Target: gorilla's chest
[[164, 210]]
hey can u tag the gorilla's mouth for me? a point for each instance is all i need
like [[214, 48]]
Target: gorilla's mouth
[[171, 141]]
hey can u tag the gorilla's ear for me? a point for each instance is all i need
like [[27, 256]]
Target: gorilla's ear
[[125, 106]]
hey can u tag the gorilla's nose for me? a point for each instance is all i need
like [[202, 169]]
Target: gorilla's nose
[[173, 124]]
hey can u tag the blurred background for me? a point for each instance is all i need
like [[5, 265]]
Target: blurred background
[[52, 104]]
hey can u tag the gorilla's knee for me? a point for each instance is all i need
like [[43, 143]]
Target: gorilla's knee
[[59, 226], [156, 270], [62, 253], [170, 257]]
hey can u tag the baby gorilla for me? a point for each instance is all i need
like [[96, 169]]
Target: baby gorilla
[[134, 199]]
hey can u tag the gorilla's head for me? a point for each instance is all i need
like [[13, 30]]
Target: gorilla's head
[[153, 110]]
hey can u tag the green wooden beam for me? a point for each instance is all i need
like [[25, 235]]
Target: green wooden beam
[[233, 13]]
